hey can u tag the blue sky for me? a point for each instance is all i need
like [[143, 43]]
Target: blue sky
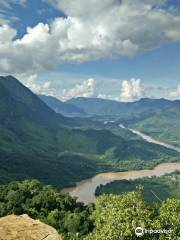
[[130, 57]]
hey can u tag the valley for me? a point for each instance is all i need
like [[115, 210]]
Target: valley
[[89, 119], [38, 143], [45, 143], [151, 140], [86, 190]]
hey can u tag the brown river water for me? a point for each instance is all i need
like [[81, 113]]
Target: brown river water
[[85, 190]]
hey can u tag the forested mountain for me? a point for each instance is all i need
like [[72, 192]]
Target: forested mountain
[[95, 106], [163, 124], [36, 142], [159, 118], [62, 107], [30, 139], [18, 102]]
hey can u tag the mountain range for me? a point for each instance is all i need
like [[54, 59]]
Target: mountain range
[[159, 118], [63, 108], [102, 107], [95, 106], [37, 142]]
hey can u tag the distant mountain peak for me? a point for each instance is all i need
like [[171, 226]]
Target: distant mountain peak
[[61, 107]]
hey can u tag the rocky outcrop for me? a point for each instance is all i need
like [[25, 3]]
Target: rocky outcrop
[[25, 228]]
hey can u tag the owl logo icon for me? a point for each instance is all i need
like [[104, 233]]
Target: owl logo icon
[[139, 231]]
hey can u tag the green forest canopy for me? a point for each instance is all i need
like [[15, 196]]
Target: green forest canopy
[[112, 217]]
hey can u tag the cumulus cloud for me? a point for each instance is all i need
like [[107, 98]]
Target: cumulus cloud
[[44, 88], [132, 90], [85, 89], [93, 29], [6, 34], [175, 94]]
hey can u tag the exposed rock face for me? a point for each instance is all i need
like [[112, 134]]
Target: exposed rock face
[[25, 228]]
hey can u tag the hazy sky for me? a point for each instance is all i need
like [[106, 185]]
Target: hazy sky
[[117, 49]]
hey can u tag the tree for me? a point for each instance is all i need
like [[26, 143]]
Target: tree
[[116, 217], [169, 218]]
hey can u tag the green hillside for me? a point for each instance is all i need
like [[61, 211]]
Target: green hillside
[[62, 107], [36, 142], [159, 118], [162, 125], [104, 107], [153, 189]]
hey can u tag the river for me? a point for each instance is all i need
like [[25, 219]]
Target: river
[[152, 140], [84, 190]]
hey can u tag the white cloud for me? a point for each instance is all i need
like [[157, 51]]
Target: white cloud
[[108, 97], [175, 94], [3, 19], [34, 86], [6, 34], [93, 29], [132, 90], [85, 89]]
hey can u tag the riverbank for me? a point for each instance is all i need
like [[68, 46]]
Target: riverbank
[[85, 190], [153, 189]]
